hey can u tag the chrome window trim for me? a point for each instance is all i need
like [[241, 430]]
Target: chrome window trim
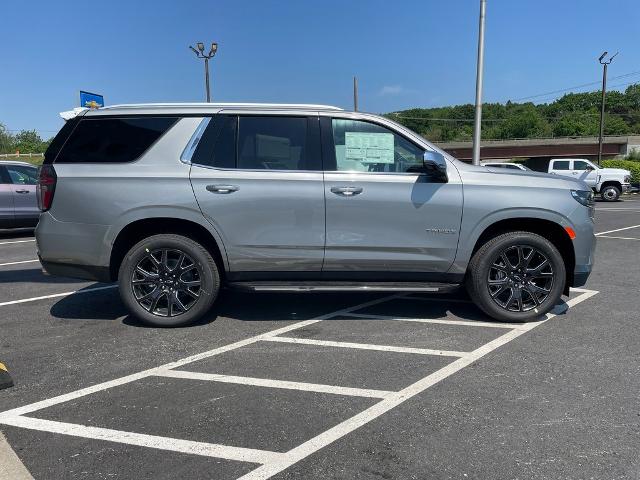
[[189, 150]]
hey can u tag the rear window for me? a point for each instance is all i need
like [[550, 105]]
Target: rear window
[[112, 140]]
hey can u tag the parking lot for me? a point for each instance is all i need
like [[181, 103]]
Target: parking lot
[[402, 386]]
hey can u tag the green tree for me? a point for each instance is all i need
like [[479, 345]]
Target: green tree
[[28, 141], [6, 140]]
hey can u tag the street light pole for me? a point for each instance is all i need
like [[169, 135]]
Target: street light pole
[[604, 64], [200, 54], [479, 75], [355, 94]]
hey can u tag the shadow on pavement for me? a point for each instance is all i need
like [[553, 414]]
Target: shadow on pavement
[[261, 307], [34, 275]]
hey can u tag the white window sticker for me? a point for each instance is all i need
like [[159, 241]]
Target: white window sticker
[[369, 147]]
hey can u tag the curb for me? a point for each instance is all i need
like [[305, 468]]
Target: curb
[[5, 378]]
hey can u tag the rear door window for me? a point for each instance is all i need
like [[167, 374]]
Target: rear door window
[[113, 140], [260, 143], [561, 165]]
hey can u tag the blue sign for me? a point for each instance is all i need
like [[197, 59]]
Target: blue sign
[[91, 100]]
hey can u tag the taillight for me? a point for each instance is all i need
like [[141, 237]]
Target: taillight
[[46, 187]]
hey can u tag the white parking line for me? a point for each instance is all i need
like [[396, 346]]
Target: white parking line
[[272, 462], [616, 230], [618, 238], [57, 295], [297, 454], [17, 241], [265, 382], [365, 346], [144, 440], [466, 323], [18, 263]]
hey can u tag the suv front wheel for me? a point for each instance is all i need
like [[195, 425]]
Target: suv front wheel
[[516, 276], [168, 280]]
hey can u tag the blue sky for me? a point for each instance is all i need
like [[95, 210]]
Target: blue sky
[[405, 53]]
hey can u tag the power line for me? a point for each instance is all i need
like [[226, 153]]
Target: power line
[[625, 75]]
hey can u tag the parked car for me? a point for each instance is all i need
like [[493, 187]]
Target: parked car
[[18, 205], [507, 165], [608, 182], [174, 201]]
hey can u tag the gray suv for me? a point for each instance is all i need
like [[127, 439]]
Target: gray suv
[[177, 200]]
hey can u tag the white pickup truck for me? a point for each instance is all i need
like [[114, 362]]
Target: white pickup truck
[[608, 182]]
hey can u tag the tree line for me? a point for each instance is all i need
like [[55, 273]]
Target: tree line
[[25, 141], [574, 114]]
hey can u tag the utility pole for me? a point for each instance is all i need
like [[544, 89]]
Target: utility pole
[[355, 94], [605, 64], [479, 75], [200, 54]]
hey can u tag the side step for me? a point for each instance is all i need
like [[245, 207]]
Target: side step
[[330, 286]]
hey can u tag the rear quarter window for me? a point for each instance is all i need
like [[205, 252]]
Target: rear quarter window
[[112, 140]]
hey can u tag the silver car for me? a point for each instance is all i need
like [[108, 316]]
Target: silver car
[[18, 205], [176, 200]]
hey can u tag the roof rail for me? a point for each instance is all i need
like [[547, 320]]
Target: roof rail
[[297, 106]]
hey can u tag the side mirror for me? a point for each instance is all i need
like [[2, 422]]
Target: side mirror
[[435, 165], [589, 168]]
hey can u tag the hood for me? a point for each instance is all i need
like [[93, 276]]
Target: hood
[[517, 178], [613, 171]]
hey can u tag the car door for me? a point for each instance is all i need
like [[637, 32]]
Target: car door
[[385, 217], [6, 199], [258, 180], [24, 179], [585, 171]]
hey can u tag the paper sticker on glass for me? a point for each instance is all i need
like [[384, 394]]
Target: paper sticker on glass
[[365, 147]]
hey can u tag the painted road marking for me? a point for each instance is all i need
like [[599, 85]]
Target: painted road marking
[[271, 462], [265, 382], [144, 440], [17, 241], [466, 323], [617, 230], [57, 295], [18, 263], [365, 346], [619, 238], [178, 363], [299, 453]]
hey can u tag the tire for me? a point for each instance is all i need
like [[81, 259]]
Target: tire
[[160, 295], [610, 193], [540, 286]]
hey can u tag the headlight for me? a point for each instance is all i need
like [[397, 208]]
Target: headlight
[[585, 197], [627, 179]]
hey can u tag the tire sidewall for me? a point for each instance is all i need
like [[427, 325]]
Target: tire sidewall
[[210, 279], [479, 278], [616, 192]]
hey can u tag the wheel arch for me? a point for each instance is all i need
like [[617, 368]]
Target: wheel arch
[[139, 229], [552, 231]]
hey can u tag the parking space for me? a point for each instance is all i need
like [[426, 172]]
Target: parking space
[[324, 385]]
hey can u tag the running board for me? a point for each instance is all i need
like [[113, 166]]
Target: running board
[[326, 286]]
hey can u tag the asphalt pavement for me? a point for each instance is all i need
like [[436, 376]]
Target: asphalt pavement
[[327, 385]]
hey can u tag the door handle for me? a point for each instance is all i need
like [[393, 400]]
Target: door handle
[[222, 188], [346, 191], [22, 191]]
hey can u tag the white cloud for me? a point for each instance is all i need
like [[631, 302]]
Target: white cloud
[[390, 90]]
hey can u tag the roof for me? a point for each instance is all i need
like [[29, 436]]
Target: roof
[[17, 162]]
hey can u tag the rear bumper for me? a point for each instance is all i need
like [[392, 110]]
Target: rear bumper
[[85, 272], [74, 250]]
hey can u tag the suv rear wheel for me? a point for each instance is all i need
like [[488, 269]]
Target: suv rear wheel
[[516, 276], [168, 280]]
